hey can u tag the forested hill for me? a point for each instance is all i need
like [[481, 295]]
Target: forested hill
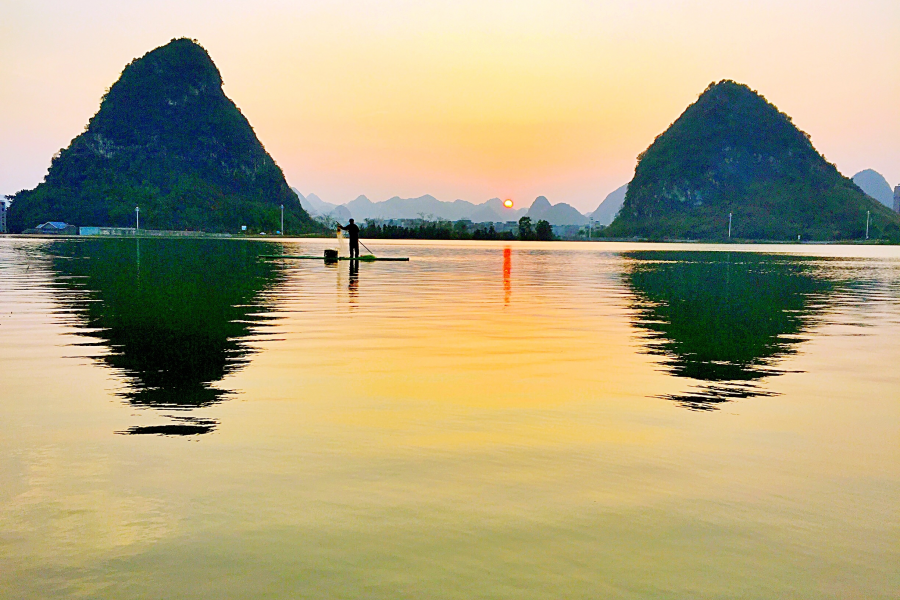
[[167, 139], [734, 152]]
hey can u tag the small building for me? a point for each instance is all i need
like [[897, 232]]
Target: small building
[[54, 228], [897, 199], [2, 214]]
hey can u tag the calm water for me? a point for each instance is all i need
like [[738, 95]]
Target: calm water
[[183, 420]]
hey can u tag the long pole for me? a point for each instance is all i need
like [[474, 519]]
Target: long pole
[[729, 226], [867, 224], [282, 219], [137, 218]]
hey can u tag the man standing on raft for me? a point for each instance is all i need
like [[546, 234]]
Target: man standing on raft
[[353, 231]]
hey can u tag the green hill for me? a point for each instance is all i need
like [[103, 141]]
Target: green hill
[[167, 139], [734, 152]]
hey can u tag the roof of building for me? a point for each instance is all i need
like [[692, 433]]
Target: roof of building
[[54, 224]]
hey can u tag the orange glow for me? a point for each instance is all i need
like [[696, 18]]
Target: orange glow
[[508, 203], [507, 271], [464, 100]]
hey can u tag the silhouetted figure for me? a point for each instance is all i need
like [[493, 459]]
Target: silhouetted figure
[[353, 231]]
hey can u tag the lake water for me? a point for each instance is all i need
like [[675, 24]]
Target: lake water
[[489, 420]]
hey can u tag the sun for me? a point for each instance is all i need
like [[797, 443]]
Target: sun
[[508, 203]]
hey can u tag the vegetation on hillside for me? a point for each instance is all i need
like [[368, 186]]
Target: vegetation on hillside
[[734, 152], [167, 139]]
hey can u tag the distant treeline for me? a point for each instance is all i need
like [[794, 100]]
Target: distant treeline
[[460, 230]]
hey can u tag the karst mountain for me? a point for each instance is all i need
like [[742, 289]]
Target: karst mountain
[[167, 139]]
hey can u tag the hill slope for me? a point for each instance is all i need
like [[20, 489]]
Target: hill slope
[[734, 152], [167, 139]]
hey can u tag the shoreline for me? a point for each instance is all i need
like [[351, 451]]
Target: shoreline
[[231, 236]]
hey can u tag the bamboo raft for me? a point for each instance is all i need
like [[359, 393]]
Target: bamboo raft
[[364, 258]]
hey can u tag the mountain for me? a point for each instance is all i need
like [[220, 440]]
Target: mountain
[[167, 139], [312, 198], [555, 214], [733, 152], [340, 214], [610, 206], [494, 211], [313, 204], [303, 202], [361, 208], [431, 208], [485, 213], [413, 208], [875, 185], [540, 207]]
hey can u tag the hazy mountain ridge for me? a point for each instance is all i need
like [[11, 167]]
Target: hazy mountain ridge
[[167, 139], [875, 186], [555, 214], [609, 208], [429, 207], [733, 152], [313, 204]]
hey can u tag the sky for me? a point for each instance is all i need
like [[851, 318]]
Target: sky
[[463, 99]]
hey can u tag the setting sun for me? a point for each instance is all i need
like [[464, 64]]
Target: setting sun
[[508, 203]]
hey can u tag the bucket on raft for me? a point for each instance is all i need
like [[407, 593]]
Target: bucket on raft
[[331, 254]]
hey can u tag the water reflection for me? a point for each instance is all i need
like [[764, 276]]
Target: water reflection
[[724, 319], [507, 272], [353, 285], [176, 315]]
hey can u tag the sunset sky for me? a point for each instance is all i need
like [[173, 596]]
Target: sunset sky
[[463, 99]]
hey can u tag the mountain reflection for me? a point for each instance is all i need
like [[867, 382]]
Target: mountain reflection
[[176, 315], [724, 319]]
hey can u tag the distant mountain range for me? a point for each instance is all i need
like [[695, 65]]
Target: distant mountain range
[[875, 186], [429, 207]]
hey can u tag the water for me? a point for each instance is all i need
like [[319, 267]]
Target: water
[[181, 419]]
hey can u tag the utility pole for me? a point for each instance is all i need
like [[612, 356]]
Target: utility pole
[[867, 224], [729, 226], [282, 219], [137, 219], [591, 229]]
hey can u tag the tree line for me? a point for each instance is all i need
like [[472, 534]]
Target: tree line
[[459, 230]]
